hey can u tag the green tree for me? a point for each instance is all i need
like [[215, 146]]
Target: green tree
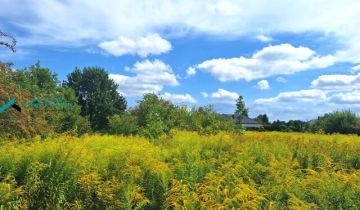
[[37, 80], [155, 126], [26, 124], [278, 126], [297, 126], [263, 119], [43, 83], [154, 115], [69, 120], [180, 118], [240, 107], [97, 95], [206, 121], [344, 122], [124, 124]]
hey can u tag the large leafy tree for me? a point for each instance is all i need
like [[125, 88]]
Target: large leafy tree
[[97, 95]]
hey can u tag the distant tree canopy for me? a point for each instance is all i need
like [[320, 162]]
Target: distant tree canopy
[[344, 122], [97, 95], [290, 126], [240, 107], [263, 119]]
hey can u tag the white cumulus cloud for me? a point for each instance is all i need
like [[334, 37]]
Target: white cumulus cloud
[[352, 97], [204, 94], [263, 85], [281, 59], [152, 44], [264, 38], [281, 80], [83, 22], [310, 95], [179, 98], [191, 71], [150, 77], [337, 82], [224, 96], [355, 68], [302, 104]]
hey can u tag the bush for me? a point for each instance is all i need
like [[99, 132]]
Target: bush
[[124, 124], [154, 127], [206, 121], [344, 122], [82, 126]]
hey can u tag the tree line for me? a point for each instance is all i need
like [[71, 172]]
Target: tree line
[[345, 122], [97, 107]]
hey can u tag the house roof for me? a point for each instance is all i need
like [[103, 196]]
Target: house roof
[[241, 119], [247, 120]]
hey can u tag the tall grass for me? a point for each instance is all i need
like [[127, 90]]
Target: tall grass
[[184, 170]]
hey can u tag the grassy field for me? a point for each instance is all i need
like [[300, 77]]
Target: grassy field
[[185, 170]]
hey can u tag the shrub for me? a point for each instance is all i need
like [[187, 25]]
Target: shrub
[[124, 124], [154, 127], [344, 122]]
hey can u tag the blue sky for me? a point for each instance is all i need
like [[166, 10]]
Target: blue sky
[[291, 60]]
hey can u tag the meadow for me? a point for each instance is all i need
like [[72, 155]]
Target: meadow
[[182, 170]]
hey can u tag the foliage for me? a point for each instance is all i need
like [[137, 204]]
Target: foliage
[[13, 124], [37, 82], [345, 122], [153, 115], [95, 101], [290, 126], [154, 127], [338, 122], [157, 116], [240, 107], [124, 124], [97, 95], [263, 119], [297, 126], [257, 170], [206, 121]]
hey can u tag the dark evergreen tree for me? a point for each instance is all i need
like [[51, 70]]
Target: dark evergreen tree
[[240, 107]]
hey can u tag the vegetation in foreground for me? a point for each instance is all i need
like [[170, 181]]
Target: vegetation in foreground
[[184, 170]]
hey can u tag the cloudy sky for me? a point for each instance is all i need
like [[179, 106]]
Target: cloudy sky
[[289, 59]]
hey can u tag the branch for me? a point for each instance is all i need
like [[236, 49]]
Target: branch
[[11, 45]]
